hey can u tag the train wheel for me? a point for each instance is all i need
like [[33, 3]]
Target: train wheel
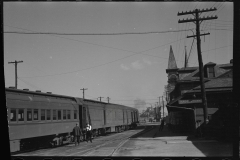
[[103, 131]]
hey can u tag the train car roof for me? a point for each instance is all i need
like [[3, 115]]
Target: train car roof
[[98, 102], [37, 93]]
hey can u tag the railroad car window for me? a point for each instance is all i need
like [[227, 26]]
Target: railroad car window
[[48, 114], [75, 114], [68, 114], [54, 115], [43, 114], [64, 114], [29, 114], [59, 115], [35, 114], [20, 114], [13, 115]]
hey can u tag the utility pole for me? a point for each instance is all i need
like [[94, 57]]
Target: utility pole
[[197, 21], [100, 98], [159, 108], [15, 62], [163, 105], [108, 99], [83, 91]]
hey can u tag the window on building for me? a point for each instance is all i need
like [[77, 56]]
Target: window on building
[[13, 115], [20, 115], [211, 72], [35, 114], [209, 117], [59, 115], [68, 114], [29, 114], [43, 114], [75, 114], [48, 114], [64, 114], [54, 115]]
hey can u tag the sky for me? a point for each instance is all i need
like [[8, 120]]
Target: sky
[[130, 69]]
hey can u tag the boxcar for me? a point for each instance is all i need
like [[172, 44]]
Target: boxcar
[[37, 119]]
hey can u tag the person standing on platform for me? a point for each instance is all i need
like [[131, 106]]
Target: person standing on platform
[[77, 133], [89, 133], [161, 125]]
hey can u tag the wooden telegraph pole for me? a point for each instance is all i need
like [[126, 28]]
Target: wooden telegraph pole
[[100, 98], [15, 62], [197, 21], [108, 99], [163, 106], [83, 91]]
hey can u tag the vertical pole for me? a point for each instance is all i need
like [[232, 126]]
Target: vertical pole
[[15, 74], [83, 91], [163, 105], [159, 108], [204, 100], [15, 62]]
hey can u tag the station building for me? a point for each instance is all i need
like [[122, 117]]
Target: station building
[[185, 106]]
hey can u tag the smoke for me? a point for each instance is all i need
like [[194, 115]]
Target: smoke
[[140, 104]]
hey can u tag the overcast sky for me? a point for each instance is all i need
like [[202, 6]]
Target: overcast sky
[[130, 69]]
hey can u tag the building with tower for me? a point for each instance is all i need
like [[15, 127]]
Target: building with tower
[[185, 106]]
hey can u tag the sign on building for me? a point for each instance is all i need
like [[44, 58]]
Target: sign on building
[[189, 101]]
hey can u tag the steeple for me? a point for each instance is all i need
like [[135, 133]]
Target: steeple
[[186, 60], [171, 61]]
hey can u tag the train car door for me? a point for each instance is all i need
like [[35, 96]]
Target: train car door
[[132, 116], [82, 116], [127, 116], [104, 116]]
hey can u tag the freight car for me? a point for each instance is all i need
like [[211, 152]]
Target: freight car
[[36, 119]]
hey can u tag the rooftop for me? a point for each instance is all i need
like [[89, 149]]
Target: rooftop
[[217, 83]]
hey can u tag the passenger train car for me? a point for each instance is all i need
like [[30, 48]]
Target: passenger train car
[[37, 119]]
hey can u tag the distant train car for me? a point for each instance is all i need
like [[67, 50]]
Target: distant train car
[[35, 119], [107, 117]]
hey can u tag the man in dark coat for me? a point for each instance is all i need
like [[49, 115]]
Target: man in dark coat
[[77, 133]]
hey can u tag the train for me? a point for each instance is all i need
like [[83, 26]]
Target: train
[[37, 119]]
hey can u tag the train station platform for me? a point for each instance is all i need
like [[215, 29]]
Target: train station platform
[[166, 133], [169, 136]]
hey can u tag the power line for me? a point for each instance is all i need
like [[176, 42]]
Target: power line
[[135, 53], [93, 34]]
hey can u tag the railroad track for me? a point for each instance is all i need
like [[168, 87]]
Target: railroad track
[[101, 146]]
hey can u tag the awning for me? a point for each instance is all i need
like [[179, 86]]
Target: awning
[[175, 100], [179, 108]]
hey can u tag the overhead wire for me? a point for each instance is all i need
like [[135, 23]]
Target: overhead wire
[[92, 34], [135, 53]]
